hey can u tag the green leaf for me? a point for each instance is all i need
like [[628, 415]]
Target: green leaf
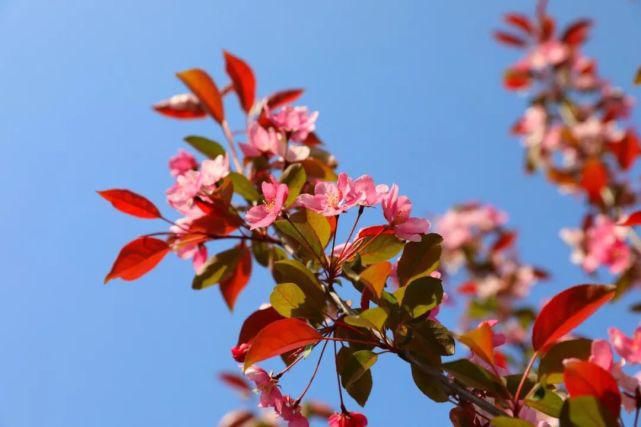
[[419, 259], [420, 296], [382, 248], [435, 336], [244, 187], [289, 300], [372, 318], [551, 365], [209, 148], [585, 411], [546, 401], [359, 388], [355, 365], [504, 421], [475, 376], [267, 253], [216, 269], [293, 271], [428, 386], [295, 178], [301, 237]]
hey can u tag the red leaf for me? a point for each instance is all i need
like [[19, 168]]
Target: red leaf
[[588, 379], [137, 258], [594, 178], [547, 28], [255, 322], [520, 21], [203, 86], [479, 340], [509, 39], [468, 288], [631, 220], [280, 337], [243, 79], [234, 285], [283, 97], [312, 140], [235, 381], [516, 80], [577, 32], [626, 150], [505, 240], [566, 311], [183, 106], [131, 203]]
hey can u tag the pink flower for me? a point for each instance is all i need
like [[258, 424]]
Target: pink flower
[[349, 419], [296, 121], [627, 348], [239, 352], [181, 163], [290, 412], [260, 141], [397, 210], [605, 246], [181, 195], [212, 171], [463, 225], [267, 387], [195, 250], [264, 215], [330, 199], [369, 194], [547, 54]]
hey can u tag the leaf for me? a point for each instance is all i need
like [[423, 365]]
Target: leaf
[[505, 421], [509, 39], [551, 365], [236, 382], [637, 77], [375, 276], [626, 150], [419, 259], [546, 401], [209, 148], [203, 86], [420, 296], [566, 311], [631, 220], [289, 300], [577, 32], [131, 203], [584, 378], [479, 340], [382, 248], [372, 318], [233, 285], [585, 411], [594, 179], [243, 80], [522, 22], [301, 237], [137, 258], [361, 388], [255, 322], [475, 376], [244, 187], [293, 271], [315, 168], [283, 97], [355, 365], [280, 337], [428, 386], [295, 177], [514, 79], [217, 268], [431, 336], [182, 106]]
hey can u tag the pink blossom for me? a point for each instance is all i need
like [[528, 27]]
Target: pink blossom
[[239, 352], [547, 54], [181, 195], [196, 250], [605, 246], [212, 171], [267, 387], [265, 214], [397, 210], [260, 141], [330, 199], [465, 224], [290, 412], [181, 163], [628, 348], [349, 419], [296, 121], [369, 193]]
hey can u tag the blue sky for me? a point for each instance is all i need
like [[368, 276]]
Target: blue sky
[[408, 92]]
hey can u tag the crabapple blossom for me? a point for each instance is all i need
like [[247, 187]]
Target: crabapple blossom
[[629, 348], [331, 199], [265, 214], [182, 162], [347, 419], [397, 210], [295, 121]]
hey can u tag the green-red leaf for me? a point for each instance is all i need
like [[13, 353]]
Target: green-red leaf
[[203, 86]]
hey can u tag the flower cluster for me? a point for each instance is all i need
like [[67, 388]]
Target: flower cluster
[[575, 131]]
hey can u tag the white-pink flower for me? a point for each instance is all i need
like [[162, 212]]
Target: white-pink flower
[[265, 214], [212, 171], [397, 210], [369, 194], [628, 348]]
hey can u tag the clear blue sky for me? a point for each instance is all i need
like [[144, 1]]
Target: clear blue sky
[[408, 92]]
